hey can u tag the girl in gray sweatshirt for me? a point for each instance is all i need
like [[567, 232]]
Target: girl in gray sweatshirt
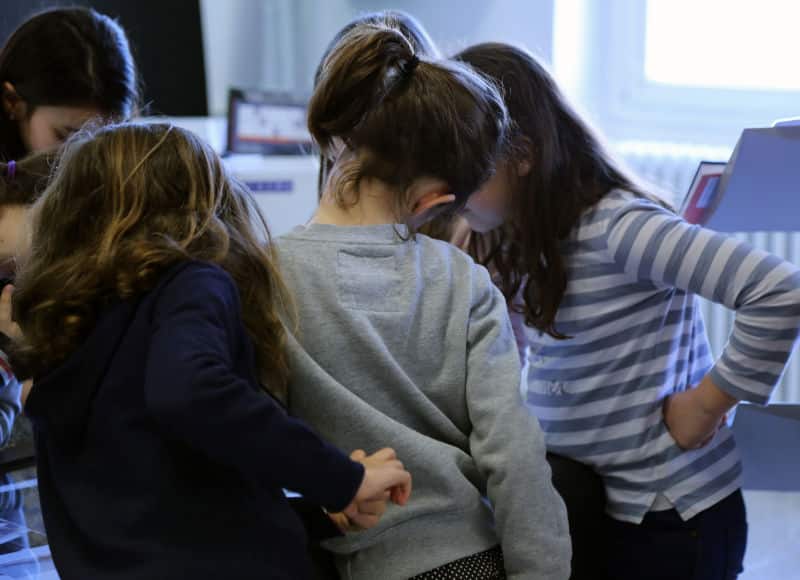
[[405, 341]]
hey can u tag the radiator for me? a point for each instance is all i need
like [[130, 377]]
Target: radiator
[[670, 167]]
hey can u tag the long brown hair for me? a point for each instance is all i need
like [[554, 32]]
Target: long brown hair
[[21, 182], [67, 57], [398, 20], [571, 171], [401, 116], [125, 203]]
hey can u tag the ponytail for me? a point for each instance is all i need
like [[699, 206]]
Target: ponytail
[[401, 116], [355, 78]]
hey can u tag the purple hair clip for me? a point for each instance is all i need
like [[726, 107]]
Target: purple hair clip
[[11, 169]]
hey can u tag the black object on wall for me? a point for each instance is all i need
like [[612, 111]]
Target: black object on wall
[[166, 39]]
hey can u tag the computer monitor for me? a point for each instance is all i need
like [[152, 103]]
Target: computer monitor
[[266, 122]]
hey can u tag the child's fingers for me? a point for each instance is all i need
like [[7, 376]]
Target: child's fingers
[[401, 492], [364, 521], [375, 507], [358, 455], [341, 521], [26, 390], [5, 303], [385, 454]]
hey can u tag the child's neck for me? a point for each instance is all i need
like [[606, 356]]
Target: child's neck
[[372, 208]]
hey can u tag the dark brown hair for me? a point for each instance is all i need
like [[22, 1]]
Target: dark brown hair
[[397, 20], [125, 203], [22, 182], [401, 116], [67, 57], [570, 172]]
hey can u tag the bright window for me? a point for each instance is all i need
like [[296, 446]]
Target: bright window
[[725, 44]]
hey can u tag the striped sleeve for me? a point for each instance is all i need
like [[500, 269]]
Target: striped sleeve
[[654, 245], [10, 405]]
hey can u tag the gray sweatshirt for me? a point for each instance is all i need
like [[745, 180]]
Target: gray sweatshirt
[[407, 344]]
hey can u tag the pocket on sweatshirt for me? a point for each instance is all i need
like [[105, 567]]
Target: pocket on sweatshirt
[[369, 279]]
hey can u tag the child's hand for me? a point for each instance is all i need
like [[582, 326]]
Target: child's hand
[[373, 509], [341, 521], [26, 390], [693, 417], [7, 324], [384, 478]]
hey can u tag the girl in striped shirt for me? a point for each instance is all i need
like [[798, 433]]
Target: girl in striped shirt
[[603, 281]]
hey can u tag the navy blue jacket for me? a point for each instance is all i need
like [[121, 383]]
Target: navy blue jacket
[[160, 458]]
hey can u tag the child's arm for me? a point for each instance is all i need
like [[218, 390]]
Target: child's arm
[[195, 397], [654, 245], [10, 388], [508, 446], [10, 405]]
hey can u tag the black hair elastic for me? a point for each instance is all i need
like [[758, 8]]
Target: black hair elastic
[[407, 67]]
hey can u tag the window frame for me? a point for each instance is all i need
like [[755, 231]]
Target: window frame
[[629, 106]]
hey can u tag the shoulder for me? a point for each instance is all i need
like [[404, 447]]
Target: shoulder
[[443, 258], [192, 274], [444, 251], [291, 244], [294, 236], [620, 208], [620, 201], [198, 283]]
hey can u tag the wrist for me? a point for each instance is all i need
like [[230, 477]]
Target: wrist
[[712, 400]]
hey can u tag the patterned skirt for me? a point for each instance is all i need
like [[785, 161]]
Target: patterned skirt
[[487, 565]]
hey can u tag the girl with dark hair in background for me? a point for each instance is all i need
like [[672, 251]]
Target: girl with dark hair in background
[[59, 69], [603, 282]]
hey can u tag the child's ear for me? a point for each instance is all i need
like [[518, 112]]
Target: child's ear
[[525, 163], [13, 104]]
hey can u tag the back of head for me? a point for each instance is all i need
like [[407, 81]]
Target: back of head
[[67, 57], [401, 116], [568, 154], [398, 20], [125, 203]]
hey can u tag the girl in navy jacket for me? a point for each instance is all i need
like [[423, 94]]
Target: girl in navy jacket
[[152, 317]]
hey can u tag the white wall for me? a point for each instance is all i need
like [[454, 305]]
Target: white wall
[[278, 43], [453, 24], [232, 39]]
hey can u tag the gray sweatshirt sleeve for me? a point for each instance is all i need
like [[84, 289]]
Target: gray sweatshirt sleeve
[[508, 446]]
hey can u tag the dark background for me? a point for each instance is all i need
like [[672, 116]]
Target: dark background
[[166, 39]]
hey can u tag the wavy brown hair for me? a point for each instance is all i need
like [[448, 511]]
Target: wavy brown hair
[[125, 204], [400, 115], [571, 171]]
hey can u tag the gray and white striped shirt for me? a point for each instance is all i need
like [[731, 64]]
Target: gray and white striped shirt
[[637, 335]]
